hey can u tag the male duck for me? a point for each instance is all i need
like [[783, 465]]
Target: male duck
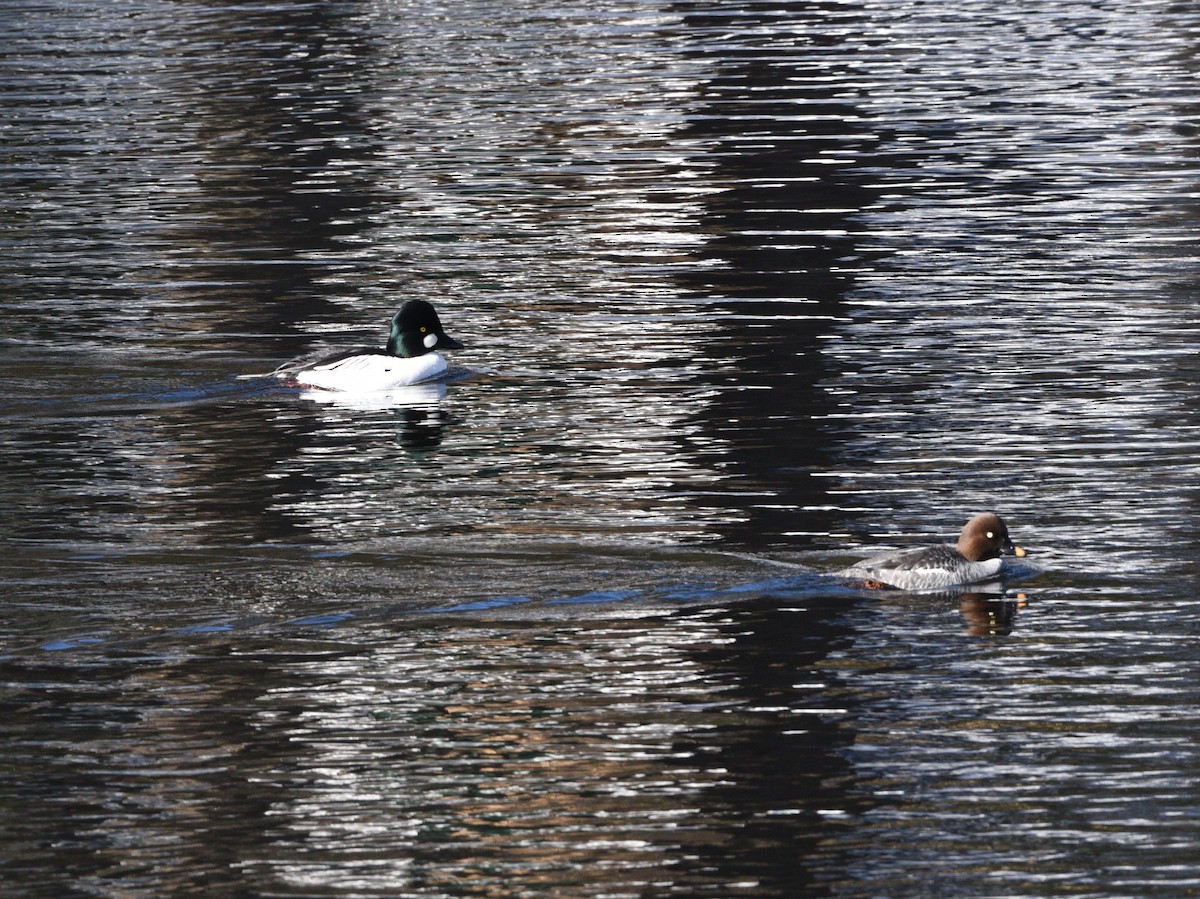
[[409, 357], [974, 559]]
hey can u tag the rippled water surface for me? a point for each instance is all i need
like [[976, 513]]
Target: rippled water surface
[[747, 290]]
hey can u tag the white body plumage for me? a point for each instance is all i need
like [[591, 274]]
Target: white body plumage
[[408, 358], [369, 373]]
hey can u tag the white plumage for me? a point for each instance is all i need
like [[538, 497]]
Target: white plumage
[[369, 373], [407, 359]]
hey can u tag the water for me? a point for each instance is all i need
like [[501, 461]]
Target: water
[[747, 291]]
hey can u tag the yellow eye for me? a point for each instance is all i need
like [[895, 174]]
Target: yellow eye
[[424, 329], [991, 536]]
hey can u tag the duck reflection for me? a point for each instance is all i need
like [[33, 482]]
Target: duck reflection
[[422, 428], [990, 614], [987, 609], [421, 420]]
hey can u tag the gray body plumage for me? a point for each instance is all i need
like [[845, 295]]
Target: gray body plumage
[[927, 568]]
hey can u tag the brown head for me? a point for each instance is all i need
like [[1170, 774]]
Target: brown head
[[986, 537]]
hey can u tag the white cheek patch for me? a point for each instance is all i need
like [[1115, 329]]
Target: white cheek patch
[[430, 341]]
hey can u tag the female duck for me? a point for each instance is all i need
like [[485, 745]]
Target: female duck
[[974, 559], [409, 357]]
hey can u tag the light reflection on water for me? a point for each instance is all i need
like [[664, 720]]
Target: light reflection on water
[[743, 288]]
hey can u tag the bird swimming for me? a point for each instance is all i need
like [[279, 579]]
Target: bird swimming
[[975, 558], [410, 357]]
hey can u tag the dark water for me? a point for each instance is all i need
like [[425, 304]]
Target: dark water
[[747, 290]]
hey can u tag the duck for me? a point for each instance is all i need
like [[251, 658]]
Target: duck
[[975, 558], [409, 357]]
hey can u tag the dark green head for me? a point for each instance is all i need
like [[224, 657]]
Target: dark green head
[[416, 330]]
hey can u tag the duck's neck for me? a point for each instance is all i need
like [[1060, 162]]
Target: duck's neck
[[395, 346]]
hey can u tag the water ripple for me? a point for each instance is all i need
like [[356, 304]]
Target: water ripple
[[746, 290]]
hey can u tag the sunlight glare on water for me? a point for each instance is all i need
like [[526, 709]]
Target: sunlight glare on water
[[746, 291]]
